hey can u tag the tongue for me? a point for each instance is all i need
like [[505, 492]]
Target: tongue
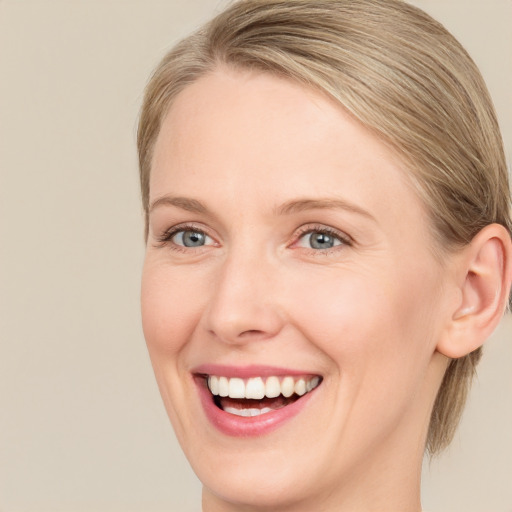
[[248, 403]]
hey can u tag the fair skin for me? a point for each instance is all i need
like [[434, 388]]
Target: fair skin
[[284, 238]]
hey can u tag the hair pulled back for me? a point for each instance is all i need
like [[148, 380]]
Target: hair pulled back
[[404, 77]]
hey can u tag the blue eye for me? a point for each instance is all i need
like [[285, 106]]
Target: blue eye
[[190, 238], [320, 240]]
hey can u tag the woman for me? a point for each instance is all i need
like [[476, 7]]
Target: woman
[[328, 247]]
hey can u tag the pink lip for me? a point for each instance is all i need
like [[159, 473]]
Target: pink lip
[[239, 426], [245, 372]]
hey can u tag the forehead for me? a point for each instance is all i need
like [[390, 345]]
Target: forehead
[[240, 131]]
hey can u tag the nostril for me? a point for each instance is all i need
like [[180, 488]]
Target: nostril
[[244, 336], [251, 332]]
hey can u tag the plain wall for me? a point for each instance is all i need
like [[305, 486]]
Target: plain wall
[[82, 427]]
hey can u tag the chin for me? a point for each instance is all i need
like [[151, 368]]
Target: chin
[[266, 488]]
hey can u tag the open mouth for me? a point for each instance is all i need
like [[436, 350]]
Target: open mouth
[[257, 396]]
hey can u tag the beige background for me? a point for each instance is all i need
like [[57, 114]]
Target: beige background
[[81, 423]]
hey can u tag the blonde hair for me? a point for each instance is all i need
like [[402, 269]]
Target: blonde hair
[[403, 76]]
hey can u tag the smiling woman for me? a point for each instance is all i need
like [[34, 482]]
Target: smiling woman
[[328, 247]]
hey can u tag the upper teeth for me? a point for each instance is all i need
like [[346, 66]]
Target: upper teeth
[[257, 387]]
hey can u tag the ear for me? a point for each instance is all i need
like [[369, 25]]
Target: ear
[[484, 276]]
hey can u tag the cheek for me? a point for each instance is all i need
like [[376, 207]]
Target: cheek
[[369, 323], [170, 304], [337, 310]]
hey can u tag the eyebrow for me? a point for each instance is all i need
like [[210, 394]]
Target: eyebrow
[[185, 203], [288, 208], [300, 205]]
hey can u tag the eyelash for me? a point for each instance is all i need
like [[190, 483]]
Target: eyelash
[[325, 230], [165, 239]]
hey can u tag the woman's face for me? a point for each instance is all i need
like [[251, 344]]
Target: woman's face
[[287, 251]]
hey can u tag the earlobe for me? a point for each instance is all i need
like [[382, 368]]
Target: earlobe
[[485, 275]]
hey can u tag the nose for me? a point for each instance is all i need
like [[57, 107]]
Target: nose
[[244, 305]]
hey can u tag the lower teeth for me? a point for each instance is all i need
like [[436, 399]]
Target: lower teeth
[[247, 412]]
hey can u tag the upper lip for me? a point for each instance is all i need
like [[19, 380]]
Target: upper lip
[[246, 372]]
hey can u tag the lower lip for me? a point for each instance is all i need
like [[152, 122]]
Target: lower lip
[[241, 426]]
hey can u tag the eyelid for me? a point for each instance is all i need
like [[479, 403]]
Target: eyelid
[[345, 239], [166, 237]]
